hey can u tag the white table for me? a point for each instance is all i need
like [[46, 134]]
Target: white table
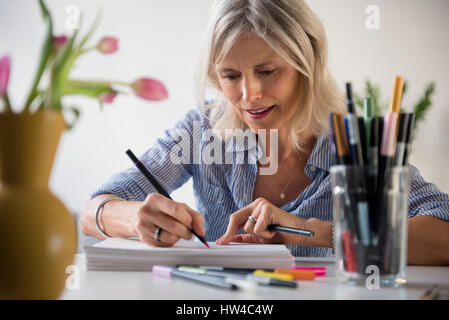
[[144, 285]]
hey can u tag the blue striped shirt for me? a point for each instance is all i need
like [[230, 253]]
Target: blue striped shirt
[[227, 186]]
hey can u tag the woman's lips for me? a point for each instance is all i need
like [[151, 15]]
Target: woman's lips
[[260, 113]]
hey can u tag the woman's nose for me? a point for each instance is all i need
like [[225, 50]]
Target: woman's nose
[[251, 90]]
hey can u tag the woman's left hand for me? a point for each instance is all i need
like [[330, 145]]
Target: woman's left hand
[[265, 214]]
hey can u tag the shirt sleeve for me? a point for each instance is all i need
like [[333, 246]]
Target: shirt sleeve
[[169, 161], [426, 199]]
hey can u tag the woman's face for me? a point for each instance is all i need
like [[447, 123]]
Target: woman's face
[[262, 87]]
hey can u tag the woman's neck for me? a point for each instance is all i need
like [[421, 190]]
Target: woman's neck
[[281, 148]]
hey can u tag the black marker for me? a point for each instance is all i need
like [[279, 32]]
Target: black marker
[[157, 185]]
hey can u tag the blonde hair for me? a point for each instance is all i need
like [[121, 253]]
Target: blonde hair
[[295, 33]]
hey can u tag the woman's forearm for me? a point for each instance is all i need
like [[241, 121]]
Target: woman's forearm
[[322, 236], [428, 241], [116, 218]]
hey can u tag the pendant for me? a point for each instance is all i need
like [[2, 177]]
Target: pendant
[[282, 195]]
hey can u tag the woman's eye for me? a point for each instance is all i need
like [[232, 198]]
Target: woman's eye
[[231, 76], [267, 72]]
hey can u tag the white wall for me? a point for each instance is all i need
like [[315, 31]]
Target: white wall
[[160, 39]]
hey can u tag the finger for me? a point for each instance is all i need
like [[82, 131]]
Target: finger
[[147, 218], [237, 221], [265, 218], [247, 238], [177, 210], [250, 223], [170, 225], [146, 235], [197, 221]]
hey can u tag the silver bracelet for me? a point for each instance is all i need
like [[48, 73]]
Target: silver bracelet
[[99, 211]]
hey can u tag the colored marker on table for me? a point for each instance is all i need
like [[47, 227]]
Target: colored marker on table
[[297, 274], [169, 272], [251, 275], [274, 275], [319, 271]]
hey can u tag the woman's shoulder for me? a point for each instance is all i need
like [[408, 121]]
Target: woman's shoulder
[[199, 113]]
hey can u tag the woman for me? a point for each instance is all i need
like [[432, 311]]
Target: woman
[[268, 62]]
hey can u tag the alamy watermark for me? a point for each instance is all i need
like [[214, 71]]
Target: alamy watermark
[[72, 282], [372, 21], [238, 147], [72, 21], [373, 280]]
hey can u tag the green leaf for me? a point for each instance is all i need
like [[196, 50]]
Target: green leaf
[[46, 52], [358, 100], [76, 112], [423, 105], [405, 88], [90, 32], [60, 72]]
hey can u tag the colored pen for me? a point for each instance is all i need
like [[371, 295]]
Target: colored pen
[[319, 271], [353, 129], [368, 114], [297, 274], [333, 150], [431, 293], [409, 137], [363, 143], [341, 141], [387, 153], [401, 139], [269, 281], [274, 275], [294, 231], [157, 185], [250, 276], [341, 144], [373, 154], [168, 272], [215, 272]]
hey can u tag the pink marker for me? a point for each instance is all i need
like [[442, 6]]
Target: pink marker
[[319, 271]]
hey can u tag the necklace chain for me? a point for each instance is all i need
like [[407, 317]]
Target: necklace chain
[[282, 194]]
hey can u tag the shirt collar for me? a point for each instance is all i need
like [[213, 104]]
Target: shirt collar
[[321, 155], [319, 158]]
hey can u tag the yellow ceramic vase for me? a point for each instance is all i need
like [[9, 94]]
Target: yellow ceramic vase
[[37, 232]]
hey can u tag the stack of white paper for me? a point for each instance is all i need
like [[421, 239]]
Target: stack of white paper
[[117, 254]]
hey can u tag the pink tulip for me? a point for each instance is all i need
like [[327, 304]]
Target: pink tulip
[[59, 42], [107, 97], [149, 89], [5, 65], [108, 45]]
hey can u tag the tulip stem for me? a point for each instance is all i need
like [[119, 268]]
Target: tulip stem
[[83, 51], [120, 83], [7, 104]]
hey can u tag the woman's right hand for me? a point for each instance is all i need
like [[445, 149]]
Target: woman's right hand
[[174, 218]]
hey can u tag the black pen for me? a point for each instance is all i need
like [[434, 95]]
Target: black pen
[[353, 129], [409, 138], [157, 185], [401, 139], [294, 231]]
